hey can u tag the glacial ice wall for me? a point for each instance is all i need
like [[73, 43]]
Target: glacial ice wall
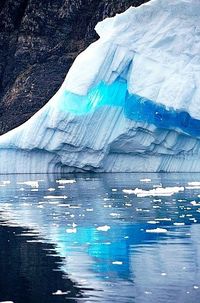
[[130, 102]]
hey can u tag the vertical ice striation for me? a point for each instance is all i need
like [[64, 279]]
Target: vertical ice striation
[[130, 102]]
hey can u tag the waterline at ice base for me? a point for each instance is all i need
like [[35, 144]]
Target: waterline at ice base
[[130, 102]]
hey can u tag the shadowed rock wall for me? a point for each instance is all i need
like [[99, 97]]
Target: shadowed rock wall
[[39, 40]]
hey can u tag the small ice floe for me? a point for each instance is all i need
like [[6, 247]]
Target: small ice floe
[[194, 183], [148, 292], [107, 206], [152, 222], [89, 209], [157, 200], [129, 191], [61, 186], [63, 182], [193, 219], [60, 293], [159, 191], [145, 180], [194, 203], [163, 219], [157, 230], [163, 274], [114, 189], [178, 223], [51, 189], [117, 263], [6, 302], [196, 287], [4, 182], [128, 204], [71, 230], [193, 187], [116, 215], [40, 206], [55, 197], [103, 228], [30, 183]]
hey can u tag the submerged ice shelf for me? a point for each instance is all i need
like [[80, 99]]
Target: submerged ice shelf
[[130, 102]]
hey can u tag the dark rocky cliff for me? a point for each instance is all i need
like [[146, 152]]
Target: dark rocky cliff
[[39, 39]]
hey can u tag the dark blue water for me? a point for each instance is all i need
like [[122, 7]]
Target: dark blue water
[[110, 237]]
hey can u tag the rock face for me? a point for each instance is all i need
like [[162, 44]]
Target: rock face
[[39, 40]]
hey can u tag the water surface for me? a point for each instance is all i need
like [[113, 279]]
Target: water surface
[[115, 237]]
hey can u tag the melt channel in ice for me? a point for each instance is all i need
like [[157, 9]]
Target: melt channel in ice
[[130, 102]]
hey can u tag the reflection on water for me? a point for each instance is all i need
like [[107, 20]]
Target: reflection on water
[[122, 237], [29, 269]]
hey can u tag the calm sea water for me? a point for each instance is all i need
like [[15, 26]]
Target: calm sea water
[[100, 238]]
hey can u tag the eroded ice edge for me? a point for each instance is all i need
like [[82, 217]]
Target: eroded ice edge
[[130, 102]]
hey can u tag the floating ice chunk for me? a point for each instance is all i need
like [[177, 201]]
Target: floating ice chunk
[[89, 209], [131, 191], [115, 215], [178, 223], [60, 293], [62, 182], [103, 228], [128, 204], [194, 203], [30, 183], [157, 230], [163, 219], [117, 263], [164, 191], [152, 222], [51, 189], [71, 230], [5, 182], [194, 183], [145, 180], [55, 197], [193, 187]]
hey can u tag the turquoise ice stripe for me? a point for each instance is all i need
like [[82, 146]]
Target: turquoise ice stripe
[[103, 94], [141, 109], [135, 107]]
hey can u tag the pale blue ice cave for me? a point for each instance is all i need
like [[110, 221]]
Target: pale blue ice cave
[[135, 107]]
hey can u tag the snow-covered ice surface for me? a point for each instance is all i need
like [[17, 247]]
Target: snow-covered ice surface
[[130, 102]]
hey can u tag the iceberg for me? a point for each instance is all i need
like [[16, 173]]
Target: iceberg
[[130, 102]]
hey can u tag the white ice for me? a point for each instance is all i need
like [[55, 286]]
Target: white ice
[[155, 49]]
